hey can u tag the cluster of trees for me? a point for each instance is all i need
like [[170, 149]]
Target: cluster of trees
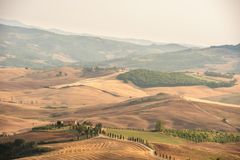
[[216, 74], [87, 129], [19, 148], [117, 136], [146, 78], [203, 136]]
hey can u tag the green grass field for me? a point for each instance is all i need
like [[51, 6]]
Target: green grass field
[[152, 137]]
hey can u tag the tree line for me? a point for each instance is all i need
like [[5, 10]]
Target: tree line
[[142, 141], [134, 139]]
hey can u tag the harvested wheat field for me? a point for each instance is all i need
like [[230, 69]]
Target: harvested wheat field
[[97, 149]]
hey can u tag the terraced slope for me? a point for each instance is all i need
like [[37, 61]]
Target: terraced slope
[[97, 149]]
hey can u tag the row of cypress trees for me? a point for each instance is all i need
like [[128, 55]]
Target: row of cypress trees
[[142, 141]]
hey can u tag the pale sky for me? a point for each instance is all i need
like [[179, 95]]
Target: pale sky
[[200, 22]]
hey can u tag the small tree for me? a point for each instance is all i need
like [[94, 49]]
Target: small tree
[[98, 128], [159, 126], [59, 124], [103, 132]]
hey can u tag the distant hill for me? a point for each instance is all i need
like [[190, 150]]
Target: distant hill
[[211, 58], [26, 46], [38, 48], [60, 31]]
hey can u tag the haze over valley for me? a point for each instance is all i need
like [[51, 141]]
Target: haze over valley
[[77, 89]]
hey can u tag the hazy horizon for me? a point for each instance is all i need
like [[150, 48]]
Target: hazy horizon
[[212, 22]]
